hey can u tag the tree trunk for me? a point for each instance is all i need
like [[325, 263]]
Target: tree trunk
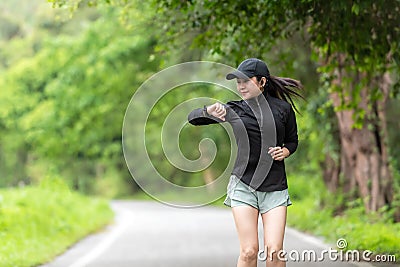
[[349, 183], [331, 171], [364, 155], [208, 176], [385, 171]]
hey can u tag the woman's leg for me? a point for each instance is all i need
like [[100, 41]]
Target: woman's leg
[[246, 220], [274, 222]]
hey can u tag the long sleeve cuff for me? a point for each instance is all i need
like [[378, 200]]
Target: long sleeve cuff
[[198, 117], [292, 147]]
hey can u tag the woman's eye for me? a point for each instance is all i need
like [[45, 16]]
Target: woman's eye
[[242, 81]]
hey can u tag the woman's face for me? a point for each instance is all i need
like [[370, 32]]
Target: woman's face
[[248, 88]]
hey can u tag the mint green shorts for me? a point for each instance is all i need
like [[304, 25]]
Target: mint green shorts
[[240, 194]]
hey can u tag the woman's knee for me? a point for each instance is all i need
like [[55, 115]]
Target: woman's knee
[[249, 254], [273, 250]]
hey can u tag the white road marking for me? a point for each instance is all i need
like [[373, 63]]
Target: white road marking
[[123, 220], [307, 238]]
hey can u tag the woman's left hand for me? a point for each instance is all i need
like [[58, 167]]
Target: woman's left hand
[[278, 153]]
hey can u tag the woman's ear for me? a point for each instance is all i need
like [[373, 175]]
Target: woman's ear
[[263, 81]]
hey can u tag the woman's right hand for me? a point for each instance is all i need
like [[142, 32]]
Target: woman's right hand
[[217, 110]]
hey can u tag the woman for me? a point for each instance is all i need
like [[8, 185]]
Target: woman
[[258, 183]]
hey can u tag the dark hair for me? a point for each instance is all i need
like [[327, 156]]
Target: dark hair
[[282, 88]]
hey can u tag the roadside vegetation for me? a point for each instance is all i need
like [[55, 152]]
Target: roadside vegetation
[[39, 222]]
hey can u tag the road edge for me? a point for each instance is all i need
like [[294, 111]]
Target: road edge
[[319, 242]]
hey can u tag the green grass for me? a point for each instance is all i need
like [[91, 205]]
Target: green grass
[[312, 212], [38, 223]]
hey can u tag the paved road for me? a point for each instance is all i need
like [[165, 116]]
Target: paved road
[[150, 234]]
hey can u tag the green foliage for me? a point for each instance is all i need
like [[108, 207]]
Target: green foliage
[[248, 29], [65, 104], [260, 23], [38, 223]]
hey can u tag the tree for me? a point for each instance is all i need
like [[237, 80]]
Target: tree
[[64, 106]]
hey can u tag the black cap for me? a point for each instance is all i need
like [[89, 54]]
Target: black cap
[[249, 68]]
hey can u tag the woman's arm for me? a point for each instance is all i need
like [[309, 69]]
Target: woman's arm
[[290, 142], [212, 114], [291, 138]]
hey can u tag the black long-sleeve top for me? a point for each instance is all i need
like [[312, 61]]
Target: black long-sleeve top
[[257, 123]]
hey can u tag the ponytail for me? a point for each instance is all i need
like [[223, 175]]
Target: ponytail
[[283, 88]]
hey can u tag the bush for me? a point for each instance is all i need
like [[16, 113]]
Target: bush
[[37, 223]]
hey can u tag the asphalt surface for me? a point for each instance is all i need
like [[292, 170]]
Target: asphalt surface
[[150, 234]]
